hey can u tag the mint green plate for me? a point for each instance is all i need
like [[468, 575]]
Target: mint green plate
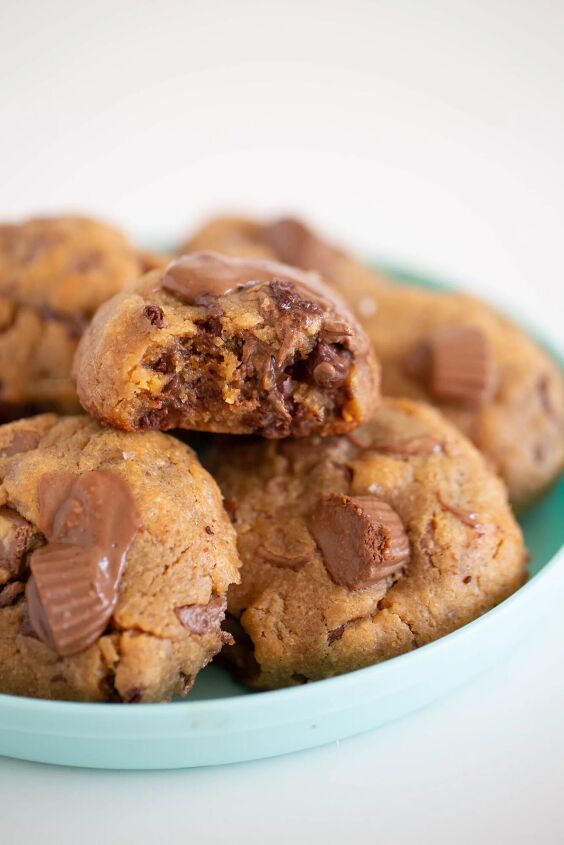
[[223, 723]]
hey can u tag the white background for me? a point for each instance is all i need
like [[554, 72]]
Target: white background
[[426, 131]]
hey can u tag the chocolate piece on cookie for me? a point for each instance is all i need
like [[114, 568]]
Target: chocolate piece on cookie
[[111, 585], [383, 540], [228, 345], [54, 273]]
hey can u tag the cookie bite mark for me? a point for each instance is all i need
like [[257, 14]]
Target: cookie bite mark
[[234, 345], [89, 521], [362, 539], [456, 364]]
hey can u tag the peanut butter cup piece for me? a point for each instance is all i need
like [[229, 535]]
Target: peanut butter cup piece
[[202, 618], [456, 364], [362, 539], [89, 521]]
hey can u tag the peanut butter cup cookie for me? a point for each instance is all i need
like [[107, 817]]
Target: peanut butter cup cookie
[[496, 384], [54, 273], [116, 554], [359, 548], [220, 344], [500, 388]]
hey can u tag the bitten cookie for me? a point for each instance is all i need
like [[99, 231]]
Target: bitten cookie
[[227, 345], [359, 548], [115, 556], [498, 386], [54, 273]]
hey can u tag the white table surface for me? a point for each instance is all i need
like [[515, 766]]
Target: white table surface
[[426, 132]]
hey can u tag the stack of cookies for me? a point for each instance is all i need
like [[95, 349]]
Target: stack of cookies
[[366, 437]]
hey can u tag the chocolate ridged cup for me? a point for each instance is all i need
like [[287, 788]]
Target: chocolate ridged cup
[[70, 597], [89, 520], [456, 363], [362, 539]]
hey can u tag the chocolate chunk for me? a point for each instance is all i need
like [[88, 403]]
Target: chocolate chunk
[[286, 544], [89, 520], [11, 593], [328, 367], [335, 634], [165, 364], [293, 243], [202, 618], [155, 418], [289, 298], [412, 447], [469, 518], [154, 315], [362, 540], [22, 441], [456, 364], [214, 312], [17, 539]]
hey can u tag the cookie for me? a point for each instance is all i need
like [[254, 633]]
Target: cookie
[[483, 372], [241, 346], [115, 557], [54, 273], [499, 387], [361, 547]]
